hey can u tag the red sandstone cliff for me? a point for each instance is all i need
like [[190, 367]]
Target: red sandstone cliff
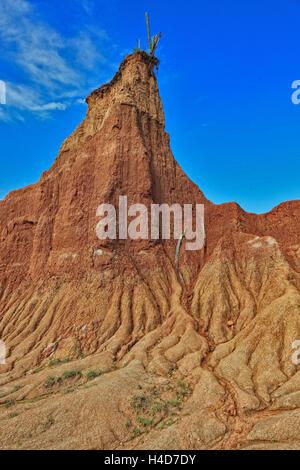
[[225, 332]]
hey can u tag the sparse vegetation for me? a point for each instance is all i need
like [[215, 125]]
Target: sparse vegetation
[[137, 431], [152, 41], [92, 374], [33, 400], [170, 422], [77, 349], [72, 373], [144, 422], [138, 48], [50, 382], [49, 422], [9, 404], [56, 362], [174, 403], [139, 402], [155, 407]]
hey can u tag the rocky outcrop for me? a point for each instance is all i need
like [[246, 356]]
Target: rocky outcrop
[[203, 354]]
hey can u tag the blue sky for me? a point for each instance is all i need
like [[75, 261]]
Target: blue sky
[[225, 79]]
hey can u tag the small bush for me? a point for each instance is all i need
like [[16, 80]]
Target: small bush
[[9, 403], [56, 362], [136, 431], [72, 373], [174, 403], [50, 382], [50, 422], [144, 422], [92, 374]]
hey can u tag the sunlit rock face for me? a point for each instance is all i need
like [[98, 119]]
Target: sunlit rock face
[[207, 346]]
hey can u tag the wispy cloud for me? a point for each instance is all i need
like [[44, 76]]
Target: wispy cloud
[[86, 52], [3, 116], [87, 5], [54, 68], [26, 98], [50, 107]]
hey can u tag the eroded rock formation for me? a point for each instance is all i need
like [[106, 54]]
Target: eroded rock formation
[[201, 363]]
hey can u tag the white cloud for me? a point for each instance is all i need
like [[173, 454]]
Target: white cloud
[[51, 107], [21, 96], [25, 98], [87, 5], [55, 68], [86, 52], [36, 48]]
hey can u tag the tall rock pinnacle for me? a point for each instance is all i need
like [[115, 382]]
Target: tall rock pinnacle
[[133, 85], [212, 338]]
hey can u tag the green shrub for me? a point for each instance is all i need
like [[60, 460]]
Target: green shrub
[[91, 375], [50, 422], [174, 403], [56, 362], [72, 373], [9, 403], [50, 382]]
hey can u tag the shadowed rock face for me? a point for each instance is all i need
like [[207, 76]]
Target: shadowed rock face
[[204, 363]]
